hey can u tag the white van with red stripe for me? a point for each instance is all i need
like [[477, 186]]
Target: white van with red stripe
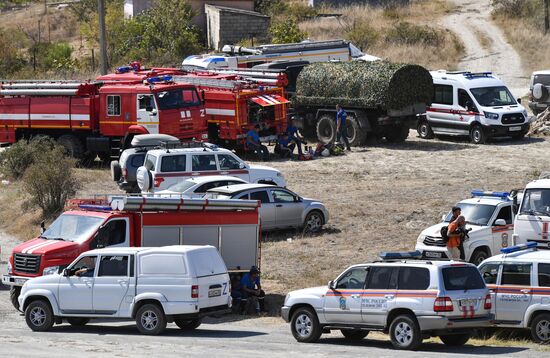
[[532, 222], [477, 105], [165, 167]]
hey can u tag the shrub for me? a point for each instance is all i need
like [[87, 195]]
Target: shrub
[[411, 34], [362, 35], [286, 32], [10, 57], [50, 180], [57, 53], [15, 160]]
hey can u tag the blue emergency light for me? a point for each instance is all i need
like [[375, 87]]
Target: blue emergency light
[[400, 255], [494, 194], [520, 247], [470, 75], [95, 207], [159, 79], [123, 69]]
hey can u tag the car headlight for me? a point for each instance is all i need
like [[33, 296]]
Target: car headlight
[[421, 238], [490, 115], [50, 270], [10, 269]]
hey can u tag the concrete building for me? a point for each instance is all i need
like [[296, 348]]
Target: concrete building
[[227, 25]]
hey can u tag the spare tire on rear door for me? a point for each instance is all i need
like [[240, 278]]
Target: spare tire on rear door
[[540, 92], [144, 179]]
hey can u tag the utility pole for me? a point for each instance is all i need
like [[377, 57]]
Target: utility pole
[[102, 37], [546, 21]]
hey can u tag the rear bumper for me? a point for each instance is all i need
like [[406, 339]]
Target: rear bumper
[[504, 131], [11, 280], [439, 323]]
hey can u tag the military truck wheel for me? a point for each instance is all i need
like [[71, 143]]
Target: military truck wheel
[[455, 340], [72, 145], [356, 135], [425, 130], [397, 134], [326, 129], [14, 295]]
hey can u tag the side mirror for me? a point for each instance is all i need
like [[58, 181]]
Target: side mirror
[[443, 217], [519, 100], [500, 222], [65, 272], [242, 165], [331, 285], [203, 96], [42, 226], [297, 199]]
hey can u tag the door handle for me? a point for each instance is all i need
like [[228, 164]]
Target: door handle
[[525, 291], [492, 290], [87, 282], [389, 297], [355, 296], [122, 281], [194, 174], [279, 205], [224, 173]]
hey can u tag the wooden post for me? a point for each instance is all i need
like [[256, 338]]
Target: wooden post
[[102, 37], [546, 21]]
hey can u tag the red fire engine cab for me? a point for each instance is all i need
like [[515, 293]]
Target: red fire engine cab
[[101, 117], [232, 226]]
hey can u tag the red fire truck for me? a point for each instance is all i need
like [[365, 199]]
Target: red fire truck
[[232, 226], [101, 117]]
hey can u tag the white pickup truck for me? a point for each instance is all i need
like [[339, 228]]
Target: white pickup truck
[[154, 286]]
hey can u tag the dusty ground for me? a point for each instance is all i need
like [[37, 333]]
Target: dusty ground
[[485, 45]]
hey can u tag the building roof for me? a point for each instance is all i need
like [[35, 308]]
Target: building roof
[[236, 11]]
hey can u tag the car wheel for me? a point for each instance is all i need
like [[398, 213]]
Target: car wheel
[[405, 333], [477, 135], [187, 325], [425, 130], [150, 319], [78, 321], [455, 340], [305, 325], [314, 221], [15, 291], [478, 257], [354, 334], [540, 328], [39, 316], [116, 171]]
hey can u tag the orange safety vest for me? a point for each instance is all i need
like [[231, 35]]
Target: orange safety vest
[[454, 240]]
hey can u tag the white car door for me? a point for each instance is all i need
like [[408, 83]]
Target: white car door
[[343, 303], [288, 209], [76, 289], [502, 234], [441, 114], [111, 285], [514, 293]]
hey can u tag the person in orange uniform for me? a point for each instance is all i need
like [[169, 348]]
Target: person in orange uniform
[[454, 233]]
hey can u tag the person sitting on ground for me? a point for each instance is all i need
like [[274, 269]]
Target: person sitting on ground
[[254, 144], [251, 288], [294, 137], [284, 147], [454, 233]]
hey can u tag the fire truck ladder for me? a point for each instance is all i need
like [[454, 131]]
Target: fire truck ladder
[[40, 88], [209, 82], [154, 203]]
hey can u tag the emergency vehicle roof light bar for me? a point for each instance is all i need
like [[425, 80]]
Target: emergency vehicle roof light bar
[[495, 194], [470, 75], [400, 255], [520, 247]]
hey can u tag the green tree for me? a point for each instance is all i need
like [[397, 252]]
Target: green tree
[[286, 32], [11, 59]]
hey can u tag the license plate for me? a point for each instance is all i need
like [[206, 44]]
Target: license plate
[[467, 303], [514, 129], [215, 293], [433, 254], [20, 281]]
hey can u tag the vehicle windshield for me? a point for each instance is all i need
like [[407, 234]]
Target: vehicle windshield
[[180, 98], [181, 186], [77, 228], [462, 278], [493, 96], [536, 202], [476, 214]]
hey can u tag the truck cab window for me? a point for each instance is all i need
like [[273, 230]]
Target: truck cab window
[[113, 105], [113, 233], [465, 101], [489, 272], [203, 162], [85, 267], [146, 102], [228, 162], [113, 266], [353, 279], [505, 214], [536, 202]]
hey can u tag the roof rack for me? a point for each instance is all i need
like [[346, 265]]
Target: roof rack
[[191, 144]]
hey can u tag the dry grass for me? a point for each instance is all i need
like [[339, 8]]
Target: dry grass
[[528, 40], [483, 39], [373, 24]]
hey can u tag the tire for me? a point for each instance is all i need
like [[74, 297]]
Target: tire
[[150, 319], [356, 135], [188, 325], [144, 179], [305, 325], [72, 145], [478, 256], [425, 130], [14, 295], [477, 135], [314, 221], [326, 129], [540, 328], [405, 333], [397, 134], [116, 171], [39, 316], [78, 321], [455, 340], [354, 334]]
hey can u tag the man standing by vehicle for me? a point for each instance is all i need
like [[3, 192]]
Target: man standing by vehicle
[[341, 132], [253, 143], [454, 233], [251, 288], [293, 135], [456, 213]]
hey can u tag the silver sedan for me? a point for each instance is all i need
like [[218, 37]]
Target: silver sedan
[[280, 208]]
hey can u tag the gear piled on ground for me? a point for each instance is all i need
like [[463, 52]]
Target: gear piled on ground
[[541, 125], [360, 84]]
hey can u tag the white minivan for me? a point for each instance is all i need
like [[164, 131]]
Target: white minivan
[[477, 105], [154, 286]]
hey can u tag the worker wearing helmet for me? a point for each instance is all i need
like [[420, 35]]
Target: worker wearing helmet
[[341, 132]]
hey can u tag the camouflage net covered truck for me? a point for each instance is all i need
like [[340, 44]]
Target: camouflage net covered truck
[[382, 99]]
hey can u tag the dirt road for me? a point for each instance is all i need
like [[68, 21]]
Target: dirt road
[[485, 44]]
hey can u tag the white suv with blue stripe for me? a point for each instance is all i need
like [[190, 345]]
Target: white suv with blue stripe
[[408, 298]]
